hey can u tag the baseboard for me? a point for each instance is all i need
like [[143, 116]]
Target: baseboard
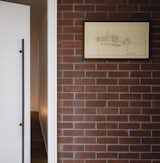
[[42, 130]]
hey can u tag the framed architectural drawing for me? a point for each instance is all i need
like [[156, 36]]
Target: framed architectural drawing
[[116, 40]]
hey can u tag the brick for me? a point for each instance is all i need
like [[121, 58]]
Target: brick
[[129, 155], [106, 67], [85, 111], [84, 81], [141, 74], [118, 148], [65, 81], [91, 15], [106, 81], [95, 133], [73, 118], [151, 96], [65, 36], [95, 1], [95, 74], [65, 155], [156, 133], [66, 22], [151, 140], [95, 148], [155, 89], [130, 96], [107, 96], [129, 67], [65, 66], [156, 118], [75, 59], [139, 118], [72, 30], [140, 161], [140, 148], [107, 125], [73, 132], [71, 44], [106, 155], [85, 140], [84, 8], [129, 111], [140, 133], [95, 161], [117, 133], [65, 140], [95, 118], [65, 125], [129, 126], [73, 161], [105, 8], [129, 81], [95, 103], [73, 103], [85, 96], [150, 81], [104, 140], [73, 74], [73, 88], [85, 155], [118, 74], [156, 74], [65, 8], [65, 95], [151, 126], [127, 140], [117, 103], [140, 89], [65, 111], [118, 89], [84, 125], [155, 104], [151, 111], [150, 155], [117, 118], [95, 88], [84, 66], [76, 15], [72, 1], [150, 67], [107, 111], [117, 161], [156, 148], [140, 104]]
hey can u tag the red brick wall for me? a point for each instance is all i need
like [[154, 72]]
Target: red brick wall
[[109, 110]]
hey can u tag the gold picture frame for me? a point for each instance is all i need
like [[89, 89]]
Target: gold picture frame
[[112, 40]]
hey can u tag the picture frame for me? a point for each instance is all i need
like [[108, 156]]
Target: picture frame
[[116, 40]]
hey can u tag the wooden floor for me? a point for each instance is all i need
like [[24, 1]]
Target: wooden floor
[[38, 152]]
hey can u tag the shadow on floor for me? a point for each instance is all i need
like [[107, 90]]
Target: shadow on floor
[[38, 152]]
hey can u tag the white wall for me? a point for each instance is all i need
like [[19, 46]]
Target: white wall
[[36, 52], [43, 113]]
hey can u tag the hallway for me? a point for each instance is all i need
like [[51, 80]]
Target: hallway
[[38, 152]]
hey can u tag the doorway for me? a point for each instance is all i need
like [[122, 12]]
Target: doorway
[[47, 103]]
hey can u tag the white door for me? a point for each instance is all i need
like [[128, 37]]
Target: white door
[[13, 28]]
